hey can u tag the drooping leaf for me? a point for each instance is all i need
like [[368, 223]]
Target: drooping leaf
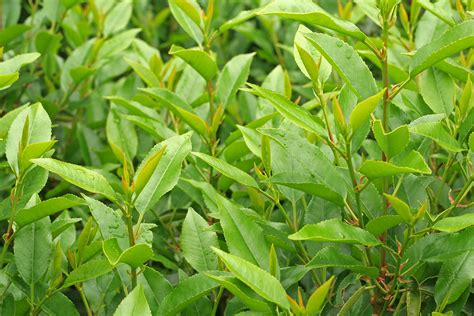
[[197, 58], [334, 230]]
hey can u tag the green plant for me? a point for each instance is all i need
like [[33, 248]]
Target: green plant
[[220, 158]]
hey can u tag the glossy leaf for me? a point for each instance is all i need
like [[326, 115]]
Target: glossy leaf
[[411, 163], [401, 208], [455, 223], [234, 74], [379, 225], [135, 304], [364, 109], [317, 299], [197, 58], [391, 143], [134, 256], [437, 132]]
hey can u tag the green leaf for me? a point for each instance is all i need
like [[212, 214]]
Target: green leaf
[[346, 309], [116, 44], [7, 120], [89, 270], [148, 76], [364, 109], [196, 242], [437, 132], [35, 150], [244, 237], [45, 208], [455, 276], [6, 80], [334, 230], [467, 98], [121, 136], [307, 11], [289, 110], [185, 293], [234, 74], [134, 304], [197, 58], [179, 107], [411, 163], [391, 143], [454, 224], [118, 17], [146, 168], [379, 225], [185, 20], [14, 64], [156, 286], [438, 90], [333, 257], [401, 208], [262, 282], [240, 290], [32, 249], [134, 256], [346, 62], [166, 173], [228, 170], [414, 302], [317, 299], [82, 177], [454, 40]]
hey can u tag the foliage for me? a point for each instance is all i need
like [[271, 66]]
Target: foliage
[[269, 157]]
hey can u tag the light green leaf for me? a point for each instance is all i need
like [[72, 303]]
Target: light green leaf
[[45, 208], [289, 110], [346, 309], [185, 21], [454, 224], [196, 242], [118, 17], [166, 173], [334, 230], [14, 64], [401, 208], [379, 225], [228, 170], [411, 163], [197, 58], [437, 132], [82, 177], [364, 109], [346, 62], [391, 143], [148, 76], [146, 168], [259, 280], [317, 299], [454, 40], [308, 12], [333, 257], [185, 293], [121, 136], [134, 304], [438, 90], [116, 44], [89, 270], [156, 286], [32, 249], [234, 74], [134, 256]]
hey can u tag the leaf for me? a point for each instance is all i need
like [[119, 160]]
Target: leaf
[[379, 225], [185, 293], [146, 168], [414, 302], [121, 136], [179, 107], [45, 208], [116, 44], [346, 62], [185, 21], [391, 143], [437, 132], [197, 58], [196, 242], [82, 177], [89, 270], [134, 304], [317, 299], [454, 40], [333, 257], [334, 230], [401, 208], [289, 110], [234, 74], [148, 76], [14, 64], [438, 90], [455, 276], [244, 237], [166, 173], [454, 224], [118, 17], [240, 290], [156, 286], [32, 249], [35, 150], [364, 109], [134, 256], [346, 309], [228, 170], [262, 282], [412, 163], [308, 12]]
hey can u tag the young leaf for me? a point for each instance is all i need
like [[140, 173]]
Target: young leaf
[[145, 171], [196, 242], [391, 143], [134, 304], [134, 256], [233, 76], [89, 270], [82, 177], [401, 208], [379, 225], [334, 230], [316, 300], [437, 132], [455, 223], [364, 109], [262, 282], [438, 90], [187, 20], [197, 58], [228, 170]]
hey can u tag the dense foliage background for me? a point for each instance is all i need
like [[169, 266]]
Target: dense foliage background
[[141, 175]]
